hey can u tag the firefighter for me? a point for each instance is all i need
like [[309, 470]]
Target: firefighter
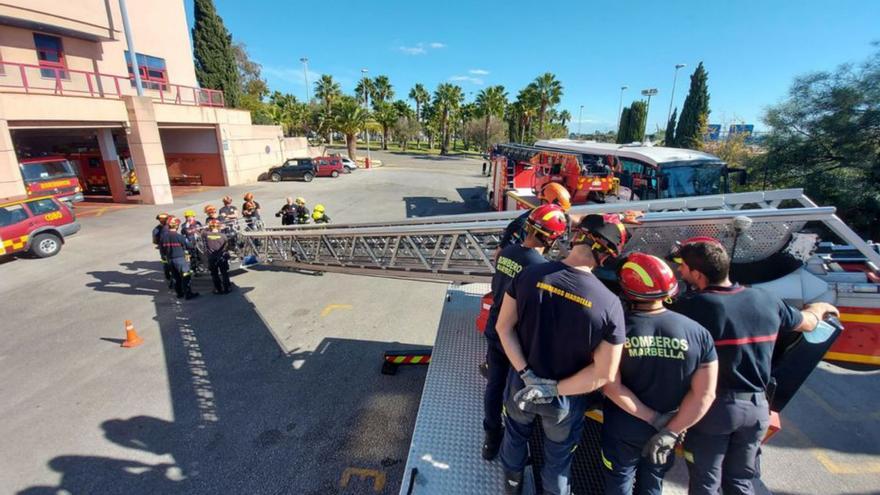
[[217, 250], [552, 193], [721, 448], [319, 216], [563, 332], [173, 246], [544, 226], [287, 212], [228, 212], [666, 381], [191, 229], [211, 214], [302, 213], [250, 211], [158, 231]]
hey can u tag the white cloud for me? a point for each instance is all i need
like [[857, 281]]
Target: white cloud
[[468, 79], [413, 50], [479, 72], [437, 44], [292, 75]]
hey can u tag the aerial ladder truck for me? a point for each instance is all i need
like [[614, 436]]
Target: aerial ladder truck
[[773, 241]]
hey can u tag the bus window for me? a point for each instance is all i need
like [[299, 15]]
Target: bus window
[[692, 179]]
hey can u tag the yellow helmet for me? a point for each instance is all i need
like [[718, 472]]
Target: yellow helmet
[[300, 201], [319, 208], [189, 213]]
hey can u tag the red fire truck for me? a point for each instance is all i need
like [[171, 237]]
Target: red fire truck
[[89, 167], [51, 175]]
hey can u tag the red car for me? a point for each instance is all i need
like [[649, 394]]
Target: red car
[[38, 225], [329, 166]]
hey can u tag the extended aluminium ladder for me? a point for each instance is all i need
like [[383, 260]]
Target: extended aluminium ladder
[[460, 248]]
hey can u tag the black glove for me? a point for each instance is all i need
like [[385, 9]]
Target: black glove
[[659, 447]]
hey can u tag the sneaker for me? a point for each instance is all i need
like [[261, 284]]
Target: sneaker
[[491, 444], [512, 483]]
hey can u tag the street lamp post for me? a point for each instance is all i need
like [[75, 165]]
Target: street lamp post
[[620, 105], [649, 93], [366, 127], [580, 118], [672, 95], [305, 62]]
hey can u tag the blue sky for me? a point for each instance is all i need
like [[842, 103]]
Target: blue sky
[[752, 49]]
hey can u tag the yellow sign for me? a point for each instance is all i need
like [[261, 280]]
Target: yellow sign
[[53, 184], [55, 215]]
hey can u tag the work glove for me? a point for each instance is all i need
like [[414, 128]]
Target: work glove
[[530, 378], [662, 419], [539, 393], [659, 447]]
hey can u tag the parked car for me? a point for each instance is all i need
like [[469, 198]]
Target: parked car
[[294, 168], [329, 166], [349, 164], [36, 225]]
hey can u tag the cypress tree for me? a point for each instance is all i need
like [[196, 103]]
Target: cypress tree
[[214, 56], [669, 138], [695, 112], [623, 129], [638, 116]]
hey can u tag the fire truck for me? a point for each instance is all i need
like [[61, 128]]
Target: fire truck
[[771, 236], [51, 175], [90, 170], [603, 172]]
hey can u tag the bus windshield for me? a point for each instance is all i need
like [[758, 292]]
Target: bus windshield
[[47, 170], [691, 178]]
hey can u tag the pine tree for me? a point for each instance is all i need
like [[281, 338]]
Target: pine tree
[[214, 56], [623, 129], [669, 138], [695, 112]]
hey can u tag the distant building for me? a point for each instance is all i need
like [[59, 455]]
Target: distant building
[[66, 88]]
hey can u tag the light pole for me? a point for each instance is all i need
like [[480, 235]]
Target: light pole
[[366, 129], [580, 118], [620, 105], [672, 95], [305, 62], [649, 93]]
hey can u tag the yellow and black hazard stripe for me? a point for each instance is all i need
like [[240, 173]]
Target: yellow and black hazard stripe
[[12, 245]]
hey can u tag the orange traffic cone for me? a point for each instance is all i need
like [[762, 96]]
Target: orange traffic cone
[[132, 339]]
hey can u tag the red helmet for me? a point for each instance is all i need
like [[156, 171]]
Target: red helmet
[[646, 278], [556, 193], [674, 255], [227, 200], [214, 222], [548, 220], [173, 222], [162, 218], [605, 233]]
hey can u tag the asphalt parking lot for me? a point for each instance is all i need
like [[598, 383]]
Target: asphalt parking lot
[[275, 388]]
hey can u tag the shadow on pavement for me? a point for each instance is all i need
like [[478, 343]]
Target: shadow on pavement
[[473, 201], [250, 416]]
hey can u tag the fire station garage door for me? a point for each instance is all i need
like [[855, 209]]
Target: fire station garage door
[[192, 156]]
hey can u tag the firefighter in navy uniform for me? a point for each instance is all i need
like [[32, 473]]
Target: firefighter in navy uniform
[[228, 213], [319, 216], [302, 213], [191, 229], [211, 214], [250, 211], [287, 212], [545, 225], [563, 332], [721, 448], [173, 246], [552, 193], [158, 231], [666, 381], [217, 251]]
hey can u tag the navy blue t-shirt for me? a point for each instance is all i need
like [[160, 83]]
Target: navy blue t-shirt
[[562, 315], [512, 260], [744, 323]]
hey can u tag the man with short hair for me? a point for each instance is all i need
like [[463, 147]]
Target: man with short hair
[[721, 448], [563, 332]]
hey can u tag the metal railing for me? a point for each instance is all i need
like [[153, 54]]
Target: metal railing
[[58, 81]]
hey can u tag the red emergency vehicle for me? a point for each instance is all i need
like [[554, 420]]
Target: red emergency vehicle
[[89, 167], [37, 225], [51, 175]]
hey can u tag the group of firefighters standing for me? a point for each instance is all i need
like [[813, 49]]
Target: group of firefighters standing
[[184, 246], [691, 369]]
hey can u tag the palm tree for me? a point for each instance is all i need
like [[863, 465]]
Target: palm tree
[[529, 107], [447, 98], [386, 115], [421, 96], [363, 92], [382, 90], [490, 102], [564, 117], [548, 91], [349, 119], [327, 90]]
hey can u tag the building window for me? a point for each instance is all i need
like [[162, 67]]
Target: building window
[[50, 54], [152, 71]]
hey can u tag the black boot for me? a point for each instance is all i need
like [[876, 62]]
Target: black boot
[[191, 295], [492, 443], [484, 369], [512, 483]]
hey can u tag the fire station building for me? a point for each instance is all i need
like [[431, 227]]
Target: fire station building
[[66, 88]]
